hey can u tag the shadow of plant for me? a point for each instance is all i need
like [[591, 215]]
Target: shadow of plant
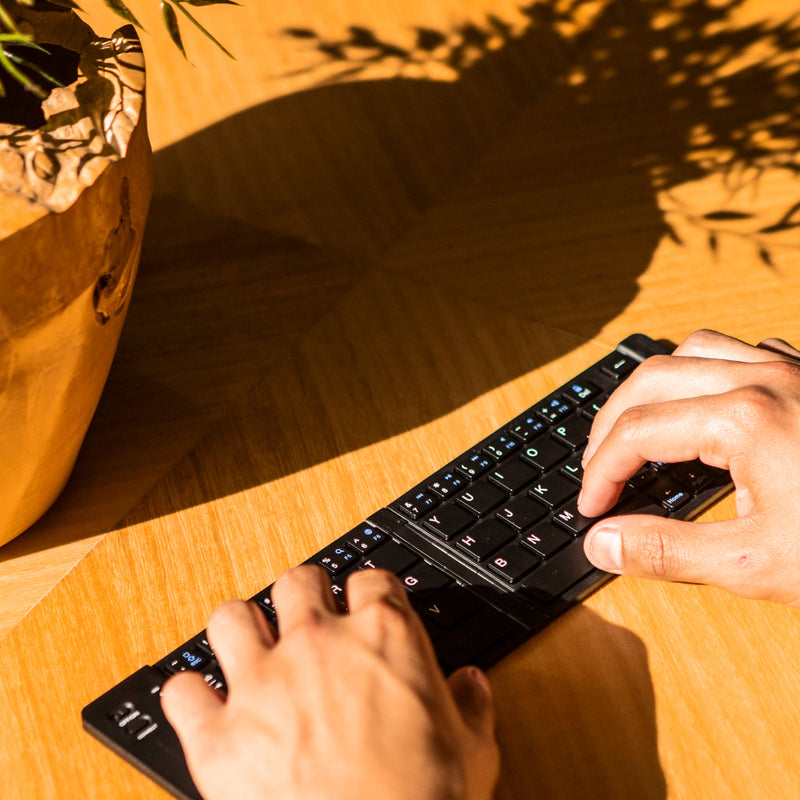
[[705, 71]]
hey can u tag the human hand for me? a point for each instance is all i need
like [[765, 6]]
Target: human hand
[[733, 406], [338, 706]]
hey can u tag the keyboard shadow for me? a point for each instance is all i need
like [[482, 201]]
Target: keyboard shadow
[[579, 692], [526, 190]]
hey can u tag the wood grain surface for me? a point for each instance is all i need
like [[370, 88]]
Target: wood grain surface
[[378, 234]]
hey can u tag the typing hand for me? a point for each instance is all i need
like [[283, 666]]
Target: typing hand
[[339, 706], [733, 406]]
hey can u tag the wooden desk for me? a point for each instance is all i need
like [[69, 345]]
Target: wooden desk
[[360, 260]]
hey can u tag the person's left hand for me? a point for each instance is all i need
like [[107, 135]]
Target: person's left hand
[[340, 706]]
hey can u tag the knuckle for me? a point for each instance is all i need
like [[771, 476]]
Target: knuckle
[[755, 404], [654, 555], [228, 611], [631, 421], [782, 373], [311, 630], [643, 374], [699, 342], [387, 616]]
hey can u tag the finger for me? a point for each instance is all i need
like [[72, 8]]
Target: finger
[[679, 430], [190, 705], [711, 344], [780, 347], [715, 553], [382, 616], [473, 697], [238, 636], [663, 378], [302, 595], [375, 586]]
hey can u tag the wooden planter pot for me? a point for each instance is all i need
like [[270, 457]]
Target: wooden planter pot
[[74, 196]]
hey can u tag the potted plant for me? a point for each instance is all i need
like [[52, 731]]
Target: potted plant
[[75, 186]]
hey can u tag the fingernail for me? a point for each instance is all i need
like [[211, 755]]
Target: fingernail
[[604, 547]]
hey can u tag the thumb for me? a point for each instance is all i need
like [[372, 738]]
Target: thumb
[[472, 693], [669, 549]]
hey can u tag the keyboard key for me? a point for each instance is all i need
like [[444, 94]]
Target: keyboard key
[[642, 478], [572, 432], [480, 541], [569, 518], [264, 601], [512, 562], [424, 580], [616, 366], [544, 453], [474, 464], [482, 497], [545, 539], [447, 483], [553, 489], [339, 595], [579, 391], [662, 489], [513, 475], [638, 503], [692, 475], [527, 427], [416, 503], [501, 446], [521, 512], [364, 538], [336, 558], [590, 411], [678, 499], [573, 468], [448, 520], [553, 409], [450, 605], [391, 556], [559, 572]]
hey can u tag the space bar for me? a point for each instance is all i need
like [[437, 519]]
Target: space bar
[[547, 582]]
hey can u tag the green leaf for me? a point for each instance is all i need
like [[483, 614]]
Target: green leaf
[[31, 67], [170, 19], [202, 29], [7, 20], [121, 10], [7, 63]]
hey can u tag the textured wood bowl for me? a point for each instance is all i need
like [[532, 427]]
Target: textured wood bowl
[[74, 196]]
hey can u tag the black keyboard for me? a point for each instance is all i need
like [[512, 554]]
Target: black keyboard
[[490, 549]]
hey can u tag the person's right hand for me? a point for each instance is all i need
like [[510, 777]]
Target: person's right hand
[[733, 406]]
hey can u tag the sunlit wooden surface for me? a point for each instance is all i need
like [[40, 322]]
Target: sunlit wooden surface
[[377, 234]]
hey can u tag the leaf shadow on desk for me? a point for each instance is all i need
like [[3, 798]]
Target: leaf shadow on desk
[[528, 185]]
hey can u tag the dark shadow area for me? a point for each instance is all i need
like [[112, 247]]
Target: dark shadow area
[[20, 106], [523, 190], [529, 184], [578, 694]]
